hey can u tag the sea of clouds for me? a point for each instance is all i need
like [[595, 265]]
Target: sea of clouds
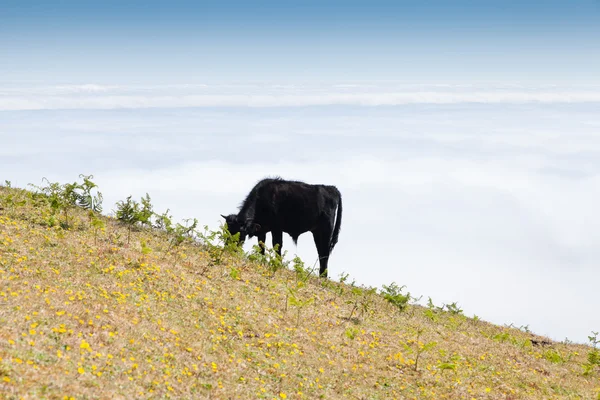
[[482, 194], [92, 96]]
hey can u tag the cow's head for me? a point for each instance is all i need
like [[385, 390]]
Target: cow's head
[[248, 228], [234, 226], [251, 228]]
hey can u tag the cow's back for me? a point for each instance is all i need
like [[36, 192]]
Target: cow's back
[[291, 206]]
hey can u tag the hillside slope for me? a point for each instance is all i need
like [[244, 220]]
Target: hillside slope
[[84, 314]]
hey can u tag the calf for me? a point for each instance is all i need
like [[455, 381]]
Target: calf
[[276, 205]]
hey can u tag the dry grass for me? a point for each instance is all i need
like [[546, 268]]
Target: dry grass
[[80, 319]]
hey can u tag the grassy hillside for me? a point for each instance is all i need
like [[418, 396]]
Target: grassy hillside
[[88, 312]]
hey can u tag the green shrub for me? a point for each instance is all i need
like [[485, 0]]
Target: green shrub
[[393, 294]]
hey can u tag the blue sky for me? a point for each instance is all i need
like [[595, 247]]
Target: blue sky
[[428, 41]]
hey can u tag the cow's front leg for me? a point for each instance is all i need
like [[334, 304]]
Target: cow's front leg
[[262, 239], [277, 240]]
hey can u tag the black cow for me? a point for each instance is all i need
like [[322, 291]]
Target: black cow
[[276, 205]]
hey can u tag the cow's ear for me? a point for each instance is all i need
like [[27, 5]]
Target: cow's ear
[[223, 216]]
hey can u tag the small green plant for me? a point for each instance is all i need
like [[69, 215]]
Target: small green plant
[[302, 272], [361, 301], [443, 366], [255, 254], [145, 214], [593, 357], [145, 248], [433, 307], [525, 328], [450, 364], [62, 198], [97, 224], [502, 337], [274, 260], [432, 310], [183, 232], [295, 300], [417, 347], [338, 289], [393, 294], [51, 221], [344, 277], [270, 258], [220, 242], [86, 199], [163, 221], [453, 308], [132, 214], [351, 332], [553, 356], [128, 213], [432, 315], [234, 273], [505, 337]]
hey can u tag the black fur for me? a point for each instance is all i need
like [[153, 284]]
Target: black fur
[[276, 205]]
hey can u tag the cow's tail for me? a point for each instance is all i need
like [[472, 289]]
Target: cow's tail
[[338, 223]]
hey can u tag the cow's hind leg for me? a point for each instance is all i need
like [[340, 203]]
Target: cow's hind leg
[[322, 238]]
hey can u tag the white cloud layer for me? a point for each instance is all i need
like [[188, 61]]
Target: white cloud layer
[[92, 96], [493, 205]]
